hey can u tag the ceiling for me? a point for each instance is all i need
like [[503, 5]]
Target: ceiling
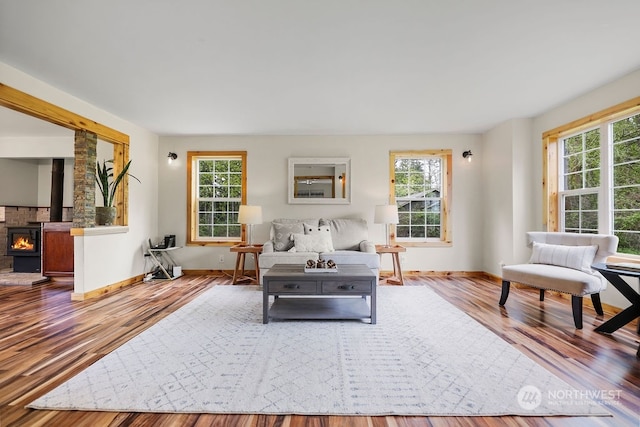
[[322, 67]]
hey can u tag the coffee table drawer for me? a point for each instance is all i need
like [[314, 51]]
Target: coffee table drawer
[[293, 287], [346, 286]]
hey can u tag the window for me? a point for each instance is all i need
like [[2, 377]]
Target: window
[[598, 176], [421, 187], [581, 182], [217, 183]]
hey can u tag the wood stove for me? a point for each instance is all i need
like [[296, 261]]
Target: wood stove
[[23, 243]]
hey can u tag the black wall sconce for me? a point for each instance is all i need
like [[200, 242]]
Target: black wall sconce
[[467, 155], [171, 157]]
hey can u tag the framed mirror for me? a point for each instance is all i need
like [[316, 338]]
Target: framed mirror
[[319, 180]]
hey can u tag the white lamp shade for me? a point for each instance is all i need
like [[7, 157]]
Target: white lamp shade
[[386, 214], [250, 214]]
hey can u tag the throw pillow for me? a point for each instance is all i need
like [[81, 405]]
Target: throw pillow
[[323, 230], [576, 257], [311, 243], [347, 233], [282, 232]]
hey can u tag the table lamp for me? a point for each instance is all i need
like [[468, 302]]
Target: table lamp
[[250, 215], [386, 214]]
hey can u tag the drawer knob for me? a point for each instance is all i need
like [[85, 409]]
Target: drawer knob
[[346, 287]]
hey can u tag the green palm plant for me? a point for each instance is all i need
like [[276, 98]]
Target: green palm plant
[[106, 183]]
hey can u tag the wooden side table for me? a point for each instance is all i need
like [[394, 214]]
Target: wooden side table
[[241, 250], [395, 250]]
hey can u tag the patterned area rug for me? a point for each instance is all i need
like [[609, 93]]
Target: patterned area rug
[[214, 355], [21, 279]]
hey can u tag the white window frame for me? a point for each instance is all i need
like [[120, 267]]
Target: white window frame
[[605, 190]]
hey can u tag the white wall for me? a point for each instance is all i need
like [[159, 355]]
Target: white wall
[[267, 186], [18, 182], [497, 188], [118, 257]]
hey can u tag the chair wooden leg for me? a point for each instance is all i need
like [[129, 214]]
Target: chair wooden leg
[[597, 305], [541, 294], [505, 292], [576, 307]]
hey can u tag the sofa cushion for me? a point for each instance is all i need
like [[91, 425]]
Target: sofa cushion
[[317, 242], [268, 260], [347, 233], [282, 232], [575, 257], [322, 230], [553, 277], [371, 260]]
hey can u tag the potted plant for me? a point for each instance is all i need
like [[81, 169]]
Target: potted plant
[[106, 214]]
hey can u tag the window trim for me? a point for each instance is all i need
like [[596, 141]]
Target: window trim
[[446, 155], [192, 210], [552, 211]]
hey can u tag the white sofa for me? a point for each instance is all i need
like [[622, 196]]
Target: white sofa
[[562, 262], [343, 240]]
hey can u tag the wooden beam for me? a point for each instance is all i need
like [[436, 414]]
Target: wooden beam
[[32, 106]]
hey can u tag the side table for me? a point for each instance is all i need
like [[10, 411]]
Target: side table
[[241, 250], [395, 250], [160, 257], [612, 274]]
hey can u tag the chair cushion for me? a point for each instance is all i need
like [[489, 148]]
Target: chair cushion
[[553, 277], [576, 257]]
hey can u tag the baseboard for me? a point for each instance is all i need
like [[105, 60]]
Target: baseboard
[[107, 289]]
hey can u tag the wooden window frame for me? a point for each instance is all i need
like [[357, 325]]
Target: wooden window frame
[[192, 210], [446, 238], [552, 156]]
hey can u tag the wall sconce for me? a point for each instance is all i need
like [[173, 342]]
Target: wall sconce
[[467, 155], [171, 157]]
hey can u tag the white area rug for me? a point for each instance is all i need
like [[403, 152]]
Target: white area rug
[[214, 355]]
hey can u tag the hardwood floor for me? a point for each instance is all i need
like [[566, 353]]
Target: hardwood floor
[[45, 339]]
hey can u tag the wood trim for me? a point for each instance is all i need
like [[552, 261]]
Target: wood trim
[[192, 209], [550, 213], [100, 292], [551, 155], [595, 119], [32, 106], [447, 194], [41, 109]]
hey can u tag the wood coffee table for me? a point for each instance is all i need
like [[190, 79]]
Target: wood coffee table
[[319, 295]]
